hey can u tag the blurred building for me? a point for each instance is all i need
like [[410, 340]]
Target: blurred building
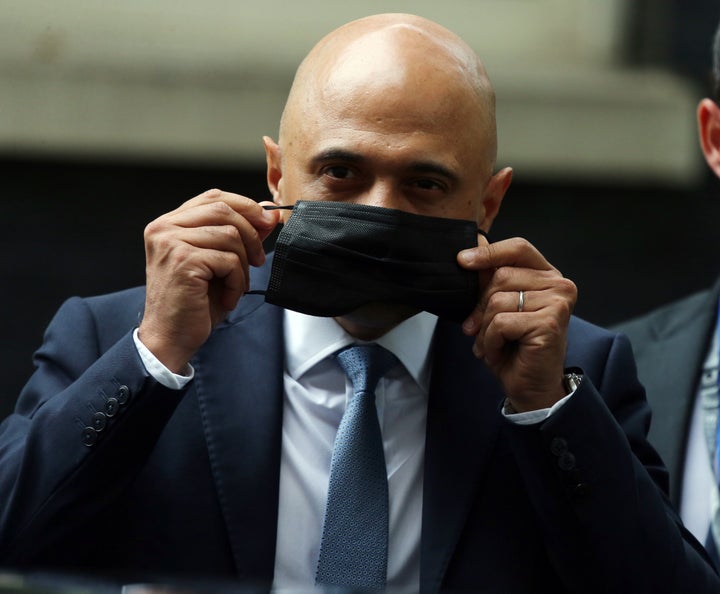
[[112, 113]]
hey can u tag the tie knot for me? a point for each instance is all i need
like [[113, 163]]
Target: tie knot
[[365, 364]]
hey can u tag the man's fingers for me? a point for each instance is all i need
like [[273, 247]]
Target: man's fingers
[[510, 301], [501, 292], [242, 205], [522, 339], [497, 303], [500, 316], [214, 225], [515, 252], [198, 258], [226, 238], [504, 329], [231, 287]]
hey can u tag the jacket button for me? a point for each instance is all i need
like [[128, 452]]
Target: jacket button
[[99, 421], [566, 461], [122, 394], [89, 436], [111, 406], [558, 446], [581, 491]]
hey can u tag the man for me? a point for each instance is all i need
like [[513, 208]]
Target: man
[[186, 429], [677, 357]]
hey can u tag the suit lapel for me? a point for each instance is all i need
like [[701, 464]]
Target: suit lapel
[[239, 382], [463, 424], [681, 341]]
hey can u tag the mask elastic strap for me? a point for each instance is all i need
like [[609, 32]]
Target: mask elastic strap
[[270, 207]]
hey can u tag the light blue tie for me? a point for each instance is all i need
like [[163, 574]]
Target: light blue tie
[[353, 550]]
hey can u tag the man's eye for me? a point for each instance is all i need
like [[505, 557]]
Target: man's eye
[[338, 172], [428, 184]]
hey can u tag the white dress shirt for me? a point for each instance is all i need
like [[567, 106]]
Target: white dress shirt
[[699, 491], [699, 497], [316, 394]]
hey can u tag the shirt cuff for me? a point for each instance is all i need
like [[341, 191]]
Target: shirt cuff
[[534, 416], [158, 371]]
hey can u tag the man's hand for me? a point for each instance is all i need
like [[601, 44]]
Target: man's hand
[[525, 349], [197, 267]]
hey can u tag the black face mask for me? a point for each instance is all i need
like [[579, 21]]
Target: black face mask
[[332, 258]]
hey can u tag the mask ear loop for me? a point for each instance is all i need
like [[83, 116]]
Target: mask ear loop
[[270, 207]]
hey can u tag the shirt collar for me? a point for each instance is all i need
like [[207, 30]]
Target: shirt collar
[[310, 339]]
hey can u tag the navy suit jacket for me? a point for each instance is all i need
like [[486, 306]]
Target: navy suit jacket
[[185, 483]]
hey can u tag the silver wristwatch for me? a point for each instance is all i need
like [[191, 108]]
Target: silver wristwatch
[[571, 381]]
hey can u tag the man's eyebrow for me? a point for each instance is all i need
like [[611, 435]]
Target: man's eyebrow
[[433, 167], [415, 166], [337, 155]]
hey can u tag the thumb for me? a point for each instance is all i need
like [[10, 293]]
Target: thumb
[[478, 258], [271, 218]]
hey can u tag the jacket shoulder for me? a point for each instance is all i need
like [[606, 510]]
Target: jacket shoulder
[[106, 317], [593, 347], [125, 307], [669, 318]]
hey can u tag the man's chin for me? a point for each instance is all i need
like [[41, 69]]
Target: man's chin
[[375, 319]]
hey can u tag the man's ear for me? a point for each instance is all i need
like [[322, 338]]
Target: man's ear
[[274, 167], [708, 116], [493, 197]]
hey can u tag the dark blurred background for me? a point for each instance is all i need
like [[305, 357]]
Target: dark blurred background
[[633, 232]]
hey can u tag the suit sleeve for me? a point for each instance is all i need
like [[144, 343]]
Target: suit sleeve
[[81, 428], [599, 488]]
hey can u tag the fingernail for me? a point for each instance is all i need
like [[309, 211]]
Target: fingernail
[[466, 256], [269, 216], [468, 325]]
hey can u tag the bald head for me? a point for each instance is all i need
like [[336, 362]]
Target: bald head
[[397, 68], [391, 110]]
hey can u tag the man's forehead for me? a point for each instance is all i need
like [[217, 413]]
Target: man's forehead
[[392, 81], [393, 53], [392, 74]]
